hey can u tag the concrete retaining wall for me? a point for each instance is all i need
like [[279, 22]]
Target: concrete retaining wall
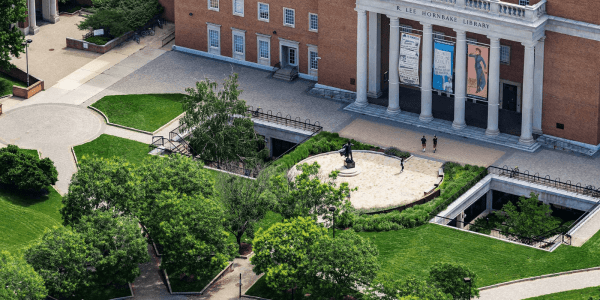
[[86, 46]]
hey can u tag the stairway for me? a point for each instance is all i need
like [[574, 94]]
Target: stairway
[[287, 73]]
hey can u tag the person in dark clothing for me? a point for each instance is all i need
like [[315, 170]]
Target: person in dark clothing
[[434, 143], [423, 142], [402, 164]]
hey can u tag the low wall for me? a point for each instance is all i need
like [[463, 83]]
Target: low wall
[[87, 46], [36, 85]]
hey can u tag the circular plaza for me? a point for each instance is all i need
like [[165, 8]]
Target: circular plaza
[[379, 178]]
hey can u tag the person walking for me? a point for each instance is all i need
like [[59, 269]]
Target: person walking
[[402, 164], [434, 143], [423, 142]]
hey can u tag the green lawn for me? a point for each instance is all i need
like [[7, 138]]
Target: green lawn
[[144, 112], [583, 294], [31, 152], [107, 146], [413, 251], [6, 84], [23, 219]]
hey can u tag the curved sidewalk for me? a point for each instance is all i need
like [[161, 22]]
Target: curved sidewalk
[[548, 284]]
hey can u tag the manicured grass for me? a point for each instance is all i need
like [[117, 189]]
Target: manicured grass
[[30, 152], [178, 285], [415, 250], [144, 112], [269, 219], [108, 146], [582, 294], [6, 84], [23, 218]]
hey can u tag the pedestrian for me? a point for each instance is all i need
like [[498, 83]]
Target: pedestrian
[[423, 142], [402, 164], [434, 143]]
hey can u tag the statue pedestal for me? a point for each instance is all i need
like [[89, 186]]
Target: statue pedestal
[[349, 164], [345, 172]]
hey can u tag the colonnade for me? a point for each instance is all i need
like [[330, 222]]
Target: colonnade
[[49, 12], [366, 72]]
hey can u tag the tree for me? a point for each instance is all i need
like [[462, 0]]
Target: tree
[[121, 16], [117, 244], [285, 253], [309, 193], [101, 184], [18, 280], [411, 287], [61, 258], [449, 278], [245, 202], [220, 123], [530, 220], [11, 38], [25, 171], [346, 262], [191, 230]]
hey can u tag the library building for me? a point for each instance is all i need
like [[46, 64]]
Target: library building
[[529, 69]]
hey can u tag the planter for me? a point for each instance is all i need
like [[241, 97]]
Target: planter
[[87, 46], [36, 85]]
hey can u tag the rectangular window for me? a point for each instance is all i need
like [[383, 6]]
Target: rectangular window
[[263, 12], [238, 7], [292, 56], [438, 35], [214, 38], [263, 47], [314, 62], [523, 2], [313, 22], [213, 5], [505, 55], [238, 44], [405, 28], [289, 17]]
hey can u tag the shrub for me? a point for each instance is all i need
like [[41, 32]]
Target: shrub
[[98, 40], [25, 171], [397, 152]]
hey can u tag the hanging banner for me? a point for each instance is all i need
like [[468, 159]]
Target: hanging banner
[[408, 64], [477, 71], [443, 66]]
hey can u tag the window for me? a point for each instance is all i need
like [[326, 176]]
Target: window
[[289, 17], [264, 49], [213, 5], [523, 2], [238, 44], [314, 62], [313, 22], [263, 12], [214, 38], [438, 35], [505, 55], [292, 56], [238, 7], [405, 28]]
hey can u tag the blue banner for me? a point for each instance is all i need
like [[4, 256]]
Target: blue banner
[[443, 66]]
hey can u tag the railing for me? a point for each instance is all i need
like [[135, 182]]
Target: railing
[[168, 38], [588, 190], [502, 9], [287, 120]]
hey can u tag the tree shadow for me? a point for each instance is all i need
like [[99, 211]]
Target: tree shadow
[[23, 198]]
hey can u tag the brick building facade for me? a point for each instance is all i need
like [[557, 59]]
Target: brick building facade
[[543, 61]]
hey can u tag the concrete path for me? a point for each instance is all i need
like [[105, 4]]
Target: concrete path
[[149, 285], [228, 287], [544, 286], [128, 134], [587, 230]]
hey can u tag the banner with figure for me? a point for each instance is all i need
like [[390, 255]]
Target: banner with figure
[[477, 71], [408, 63], [443, 66]]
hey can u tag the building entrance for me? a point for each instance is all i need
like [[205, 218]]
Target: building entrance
[[280, 146], [509, 97], [289, 56]]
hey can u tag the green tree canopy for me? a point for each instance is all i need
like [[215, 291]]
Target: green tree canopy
[[117, 244], [389, 288], [191, 230], [11, 38], [220, 124], [18, 280], [121, 16], [61, 258], [449, 278], [529, 219], [25, 171]]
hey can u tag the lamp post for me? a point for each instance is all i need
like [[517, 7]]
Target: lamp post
[[468, 280], [26, 44], [332, 210]]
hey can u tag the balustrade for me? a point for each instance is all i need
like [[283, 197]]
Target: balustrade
[[497, 7]]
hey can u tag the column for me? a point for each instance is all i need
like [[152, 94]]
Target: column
[[460, 81], [33, 29], [394, 87], [361, 58], [489, 200], [53, 12], [493, 87], [426, 73], [460, 219], [374, 89], [538, 84], [527, 105]]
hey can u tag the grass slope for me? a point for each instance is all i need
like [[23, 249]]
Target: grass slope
[[6, 84], [23, 219], [144, 112], [107, 146], [582, 294]]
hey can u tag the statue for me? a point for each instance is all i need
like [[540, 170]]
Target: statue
[[347, 151]]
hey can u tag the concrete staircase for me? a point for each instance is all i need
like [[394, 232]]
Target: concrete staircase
[[287, 73]]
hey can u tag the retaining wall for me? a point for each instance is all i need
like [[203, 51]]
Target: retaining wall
[[87, 46], [36, 85]]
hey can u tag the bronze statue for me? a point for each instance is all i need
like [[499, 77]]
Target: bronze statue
[[347, 151]]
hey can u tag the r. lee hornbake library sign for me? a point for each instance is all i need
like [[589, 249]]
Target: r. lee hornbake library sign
[[444, 17]]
